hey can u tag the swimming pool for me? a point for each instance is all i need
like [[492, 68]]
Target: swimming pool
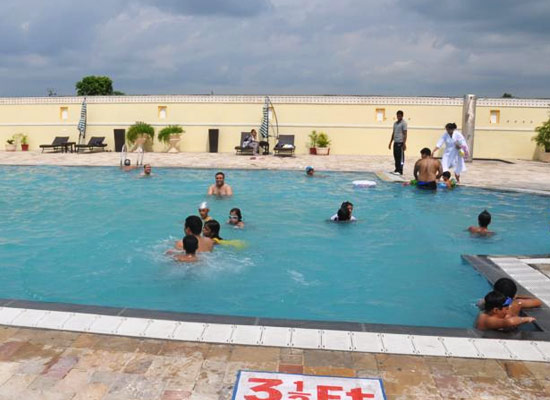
[[98, 236]]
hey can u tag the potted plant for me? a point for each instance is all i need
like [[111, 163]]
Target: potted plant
[[139, 133], [542, 139], [312, 142], [323, 142], [10, 145], [171, 135], [23, 140]]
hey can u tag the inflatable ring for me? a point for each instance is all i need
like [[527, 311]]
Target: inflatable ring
[[363, 184]]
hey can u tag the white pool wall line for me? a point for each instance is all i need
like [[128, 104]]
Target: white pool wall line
[[251, 335]]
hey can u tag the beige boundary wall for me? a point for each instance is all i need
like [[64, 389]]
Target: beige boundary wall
[[350, 121]]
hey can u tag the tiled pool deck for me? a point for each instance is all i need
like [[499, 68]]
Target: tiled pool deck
[[51, 364]]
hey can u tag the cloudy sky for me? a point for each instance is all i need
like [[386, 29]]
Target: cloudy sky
[[390, 47]]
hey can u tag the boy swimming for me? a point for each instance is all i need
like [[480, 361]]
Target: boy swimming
[[483, 219], [190, 245]]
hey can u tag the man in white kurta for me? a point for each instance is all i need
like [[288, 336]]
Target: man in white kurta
[[456, 148]]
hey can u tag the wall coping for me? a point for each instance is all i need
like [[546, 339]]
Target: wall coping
[[277, 99]]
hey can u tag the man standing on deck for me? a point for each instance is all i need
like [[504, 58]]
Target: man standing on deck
[[399, 139]]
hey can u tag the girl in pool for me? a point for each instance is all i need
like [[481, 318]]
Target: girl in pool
[[236, 218], [212, 230]]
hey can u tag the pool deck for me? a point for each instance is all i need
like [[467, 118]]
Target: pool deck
[[54, 364]]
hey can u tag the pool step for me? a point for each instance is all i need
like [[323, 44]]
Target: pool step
[[387, 177]]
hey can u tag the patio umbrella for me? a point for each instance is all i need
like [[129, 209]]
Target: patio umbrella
[[82, 122], [264, 128]]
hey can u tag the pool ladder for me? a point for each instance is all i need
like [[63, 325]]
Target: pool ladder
[[124, 155]]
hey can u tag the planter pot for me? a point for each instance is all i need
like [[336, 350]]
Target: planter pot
[[173, 143], [24, 147], [11, 147], [322, 151], [542, 155], [312, 150]]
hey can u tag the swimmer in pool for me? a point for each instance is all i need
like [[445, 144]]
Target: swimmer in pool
[[203, 212], [483, 219], [508, 287], [211, 230], [193, 226], [220, 188], [128, 165], [190, 245], [236, 218], [447, 182], [310, 171], [495, 315], [344, 213], [146, 171], [427, 170]]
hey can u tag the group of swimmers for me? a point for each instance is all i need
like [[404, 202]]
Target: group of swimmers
[[500, 308], [202, 232]]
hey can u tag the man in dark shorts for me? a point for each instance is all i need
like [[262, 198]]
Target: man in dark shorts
[[399, 139], [427, 170]]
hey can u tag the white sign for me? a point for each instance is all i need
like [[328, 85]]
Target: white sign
[[276, 386]]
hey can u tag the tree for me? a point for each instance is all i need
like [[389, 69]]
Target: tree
[[94, 86], [507, 96], [118, 93]]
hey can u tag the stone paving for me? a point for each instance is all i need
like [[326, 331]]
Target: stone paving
[[55, 365], [527, 175]]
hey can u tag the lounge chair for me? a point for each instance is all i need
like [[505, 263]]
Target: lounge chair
[[241, 150], [263, 147], [58, 144], [285, 146], [94, 142]]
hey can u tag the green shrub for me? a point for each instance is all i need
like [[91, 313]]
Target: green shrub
[[139, 129], [543, 135], [322, 140], [164, 134], [313, 139]]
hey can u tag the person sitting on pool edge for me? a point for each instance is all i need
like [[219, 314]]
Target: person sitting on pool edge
[[483, 219], [427, 170], [220, 188], [495, 314], [236, 218], [190, 245], [203, 212], [193, 226], [344, 213]]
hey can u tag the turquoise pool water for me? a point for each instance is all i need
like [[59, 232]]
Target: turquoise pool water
[[98, 236]]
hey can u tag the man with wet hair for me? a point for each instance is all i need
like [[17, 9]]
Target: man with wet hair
[[220, 188], [427, 170], [495, 315], [147, 170], [193, 226], [399, 139], [483, 219]]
